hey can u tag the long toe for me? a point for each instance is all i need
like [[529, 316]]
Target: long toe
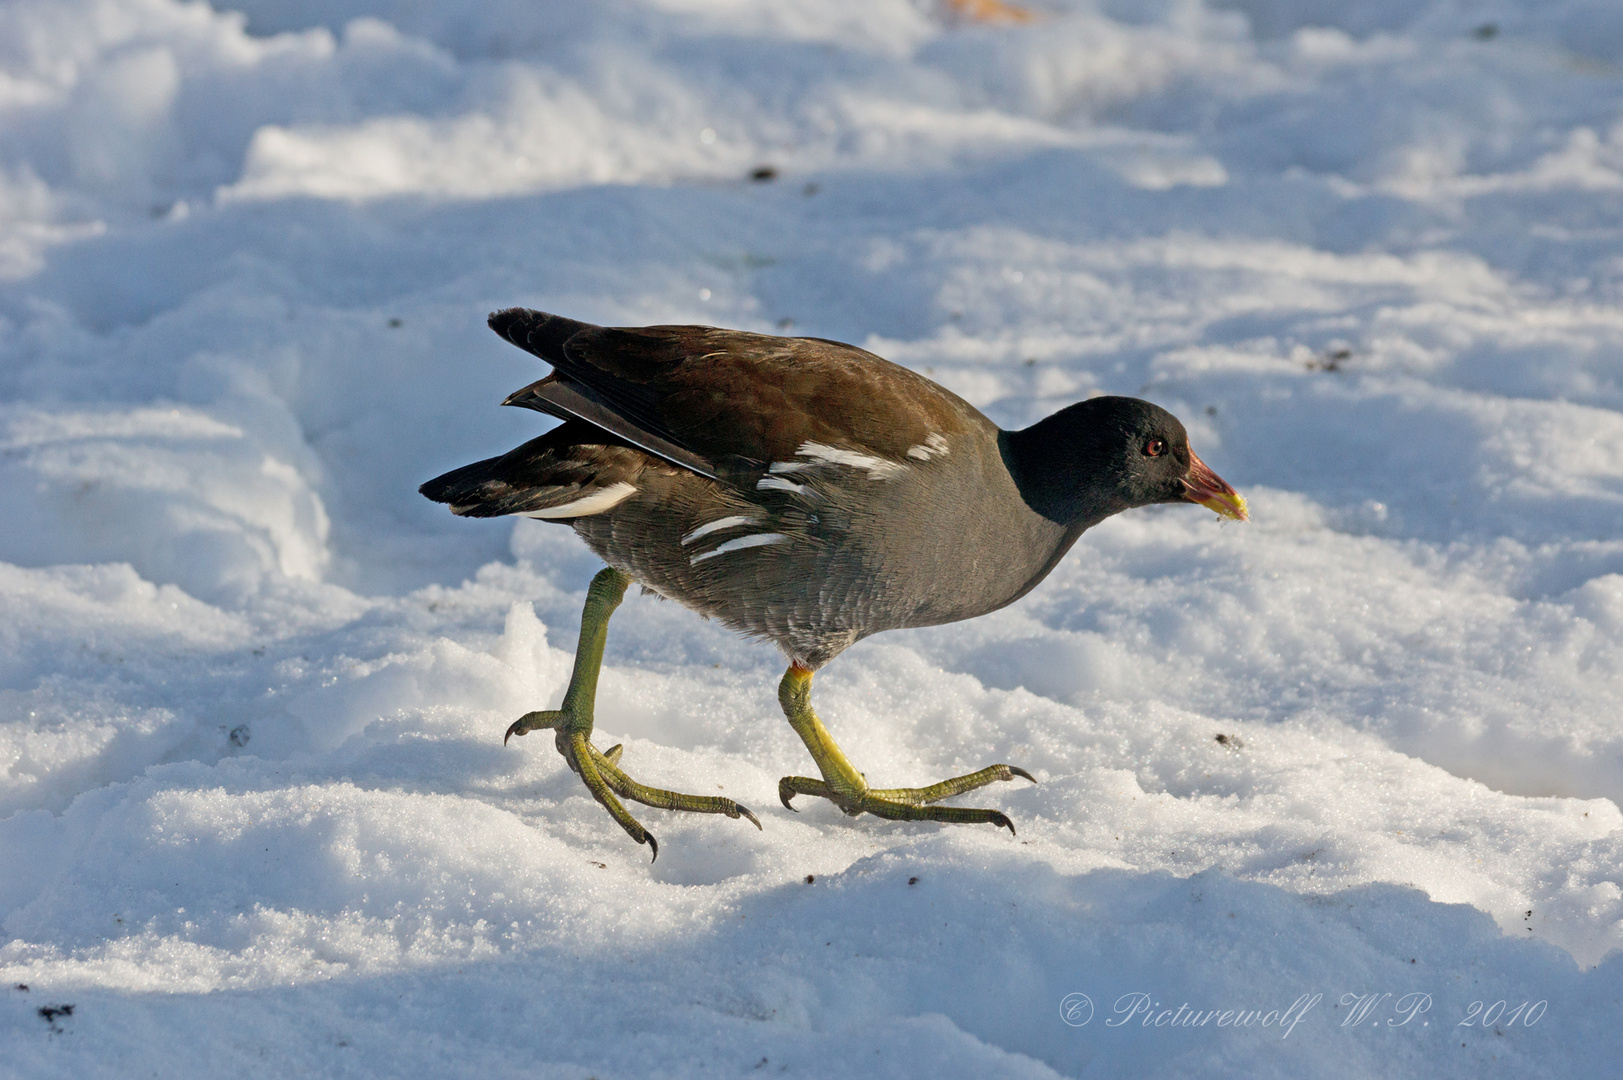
[[790, 786], [955, 815], [627, 788], [957, 785], [902, 804]]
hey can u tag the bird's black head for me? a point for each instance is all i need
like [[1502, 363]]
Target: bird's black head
[[1109, 454]]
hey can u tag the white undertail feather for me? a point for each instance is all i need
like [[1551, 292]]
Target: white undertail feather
[[595, 503], [739, 544], [774, 483]]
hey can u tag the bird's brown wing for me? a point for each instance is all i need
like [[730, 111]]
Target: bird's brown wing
[[726, 402]]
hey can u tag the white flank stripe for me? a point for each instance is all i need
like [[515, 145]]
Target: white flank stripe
[[774, 483], [739, 544], [877, 468], [933, 444], [716, 526], [788, 466], [595, 503]]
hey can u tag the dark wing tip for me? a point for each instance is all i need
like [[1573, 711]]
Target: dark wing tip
[[536, 331], [504, 322], [466, 490]]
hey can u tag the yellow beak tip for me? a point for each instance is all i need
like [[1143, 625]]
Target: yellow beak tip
[[1228, 506]]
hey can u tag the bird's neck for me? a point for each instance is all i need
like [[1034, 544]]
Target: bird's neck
[[1050, 463]]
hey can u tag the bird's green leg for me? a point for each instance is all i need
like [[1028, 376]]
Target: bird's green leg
[[846, 788], [572, 725]]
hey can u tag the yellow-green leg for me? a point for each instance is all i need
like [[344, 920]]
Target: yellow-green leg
[[572, 725], [846, 788]]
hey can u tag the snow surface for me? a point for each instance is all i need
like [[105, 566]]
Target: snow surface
[[255, 814]]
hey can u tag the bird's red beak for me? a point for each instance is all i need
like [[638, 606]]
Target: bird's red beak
[[1211, 491]]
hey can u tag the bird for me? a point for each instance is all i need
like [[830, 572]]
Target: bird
[[808, 493]]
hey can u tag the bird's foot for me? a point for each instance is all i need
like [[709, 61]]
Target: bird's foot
[[600, 771], [910, 804]]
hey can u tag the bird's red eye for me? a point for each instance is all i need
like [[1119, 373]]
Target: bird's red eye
[[1154, 448]]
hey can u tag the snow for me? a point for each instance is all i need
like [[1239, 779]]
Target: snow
[[255, 813]]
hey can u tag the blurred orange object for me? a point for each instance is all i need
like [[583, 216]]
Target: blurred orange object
[[990, 11]]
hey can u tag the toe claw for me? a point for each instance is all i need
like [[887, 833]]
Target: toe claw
[[1017, 771], [785, 793], [649, 837], [744, 811], [612, 754], [531, 721], [998, 818]]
